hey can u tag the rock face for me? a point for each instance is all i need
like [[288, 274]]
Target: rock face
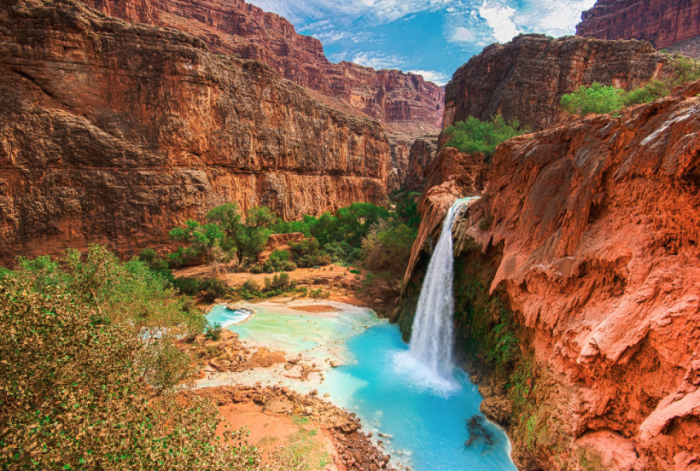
[[451, 175], [115, 132], [423, 152], [598, 222], [235, 27], [526, 78], [663, 23]]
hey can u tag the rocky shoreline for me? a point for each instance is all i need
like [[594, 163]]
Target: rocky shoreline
[[354, 449]]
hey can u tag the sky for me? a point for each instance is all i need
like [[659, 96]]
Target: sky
[[427, 37]]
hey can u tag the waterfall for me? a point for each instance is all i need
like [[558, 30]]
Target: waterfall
[[432, 338]]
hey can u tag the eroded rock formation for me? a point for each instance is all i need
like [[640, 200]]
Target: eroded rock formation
[[526, 78], [664, 23], [594, 226], [421, 155], [236, 27], [114, 132]]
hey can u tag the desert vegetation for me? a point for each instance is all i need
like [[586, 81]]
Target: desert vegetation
[[90, 376], [599, 99]]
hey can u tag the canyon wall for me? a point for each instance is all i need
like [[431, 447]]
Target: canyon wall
[[114, 132], [236, 27], [526, 78], [664, 23], [578, 292]]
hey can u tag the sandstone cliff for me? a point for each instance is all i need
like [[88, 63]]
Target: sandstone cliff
[[115, 132], [236, 27], [586, 245], [421, 155], [526, 78], [664, 23]]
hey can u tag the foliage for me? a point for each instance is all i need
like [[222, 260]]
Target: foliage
[[307, 253], [279, 261], [601, 99], [319, 293], [387, 248], [594, 99], [473, 136], [214, 332], [209, 289], [81, 359]]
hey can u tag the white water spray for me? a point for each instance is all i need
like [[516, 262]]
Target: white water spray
[[432, 337]]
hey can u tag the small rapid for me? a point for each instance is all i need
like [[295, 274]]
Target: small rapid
[[430, 350]]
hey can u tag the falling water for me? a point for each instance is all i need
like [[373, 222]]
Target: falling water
[[431, 340]]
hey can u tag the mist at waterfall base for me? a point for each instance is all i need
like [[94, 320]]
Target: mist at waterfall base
[[428, 425]]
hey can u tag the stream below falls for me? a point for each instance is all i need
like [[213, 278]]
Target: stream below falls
[[424, 422]]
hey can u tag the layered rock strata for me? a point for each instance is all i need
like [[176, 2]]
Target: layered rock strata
[[526, 78], [663, 23], [115, 132], [592, 230], [422, 153], [236, 27]]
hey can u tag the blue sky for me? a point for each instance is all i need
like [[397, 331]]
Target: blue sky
[[430, 37]]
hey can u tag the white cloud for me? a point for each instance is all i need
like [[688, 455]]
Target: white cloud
[[378, 60], [554, 17], [328, 37], [460, 34], [432, 76], [380, 10], [500, 20]]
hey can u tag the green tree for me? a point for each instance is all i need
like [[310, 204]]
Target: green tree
[[472, 136], [594, 99]]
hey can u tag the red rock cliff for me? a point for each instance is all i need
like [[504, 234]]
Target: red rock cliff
[[235, 27], [115, 132], [664, 23], [598, 222], [526, 78]]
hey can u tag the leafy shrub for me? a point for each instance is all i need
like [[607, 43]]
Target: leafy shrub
[[277, 262], [251, 285], [256, 269], [473, 136], [319, 293], [279, 283], [594, 99], [209, 289], [214, 332], [599, 99], [336, 251], [387, 248], [185, 257], [148, 256], [79, 372]]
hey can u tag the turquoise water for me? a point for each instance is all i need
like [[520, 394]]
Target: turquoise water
[[379, 381], [219, 314], [426, 421]]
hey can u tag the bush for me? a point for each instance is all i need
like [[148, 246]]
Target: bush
[[600, 100], [277, 262], [214, 332], [251, 285], [79, 371], [279, 283], [209, 289], [594, 99], [473, 136], [336, 251], [387, 248], [319, 293], [148, 256], [256, 269]]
